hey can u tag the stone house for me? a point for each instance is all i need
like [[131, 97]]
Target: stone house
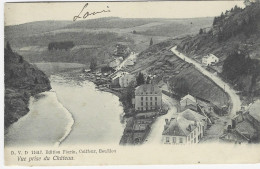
[[147, 97], [210, 59], [126, 79], [188, 102], [244, 128], [115, 78], [116, 62], [187, 128]]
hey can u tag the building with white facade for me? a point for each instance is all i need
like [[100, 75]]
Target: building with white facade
[[116, 62], [147, 97], [210, 59], [115, 78], [126, 79], [188, 101], [187, 128]]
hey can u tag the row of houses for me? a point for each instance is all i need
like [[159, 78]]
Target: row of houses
[[117, 61], [244, 128], [188, 126], [122, 79]]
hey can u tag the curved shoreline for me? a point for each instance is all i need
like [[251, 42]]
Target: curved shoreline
[[69, 127]]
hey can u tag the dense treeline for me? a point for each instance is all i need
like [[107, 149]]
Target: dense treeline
[[238, 65], [244, 21], [60, 45], [22, 80]]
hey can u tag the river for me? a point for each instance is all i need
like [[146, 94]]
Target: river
[[73, 112]]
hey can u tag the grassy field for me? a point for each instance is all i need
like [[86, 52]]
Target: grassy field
[[50, 68], [96, 37]]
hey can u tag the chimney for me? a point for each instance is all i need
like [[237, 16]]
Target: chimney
[[229, 128], [189, 128], [166, 121], [233, 124]]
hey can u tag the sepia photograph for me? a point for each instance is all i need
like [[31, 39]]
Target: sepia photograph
[[131, 83]]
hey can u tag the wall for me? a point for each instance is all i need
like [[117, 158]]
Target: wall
[[177, 139], [186, 102], [138, 101]]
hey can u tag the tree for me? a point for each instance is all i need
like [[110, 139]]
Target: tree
[[140, 79], [201, 31], [179, 86], [215, 21], [134, 31], [148, 80], [8, 46], [127, 95], [93, 64], [151, 42]]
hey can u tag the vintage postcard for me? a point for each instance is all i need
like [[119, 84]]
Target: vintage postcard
[[131, 83]]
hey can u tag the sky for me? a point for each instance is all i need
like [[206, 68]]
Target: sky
[[18, 13]]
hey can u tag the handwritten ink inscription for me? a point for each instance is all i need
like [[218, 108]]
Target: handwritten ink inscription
[[86, 14]]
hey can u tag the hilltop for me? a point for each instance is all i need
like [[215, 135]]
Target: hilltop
[[95, 38], [234, 38]]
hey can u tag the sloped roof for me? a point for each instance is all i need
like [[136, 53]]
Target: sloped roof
[[119, 74], [210, 55], [254, 110], [147, 88], [174, 129], [190, 97], [192, 115], [245, 127], [179, 126]]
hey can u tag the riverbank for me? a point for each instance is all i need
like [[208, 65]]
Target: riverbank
[[47, 123], [73, 112], [97, 114], [136, 126]]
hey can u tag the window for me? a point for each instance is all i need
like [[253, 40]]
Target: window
[[191, 135], [188, 138], [174, 140], [181, 140], [167, 140], [141, 103], [194, 133], [151, 103], [155, 98], [146, 93], [151, 98], [146, 103], [155, 103], [146, 98], [141, 98]]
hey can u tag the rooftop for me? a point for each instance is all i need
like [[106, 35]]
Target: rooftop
[[148, 88], [184, 124], [209, 55], [190, 97], [254, 110], [246, 128]]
